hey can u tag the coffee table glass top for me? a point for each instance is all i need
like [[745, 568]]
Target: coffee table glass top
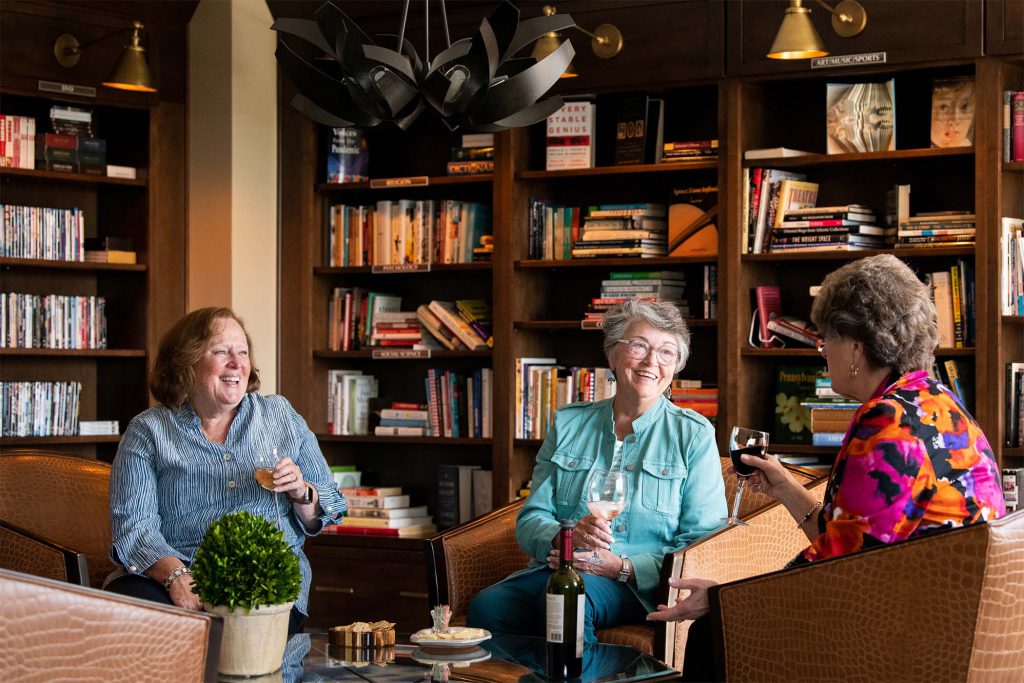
[[512, 659]]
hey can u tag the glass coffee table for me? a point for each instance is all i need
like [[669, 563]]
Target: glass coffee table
[[512, 659]]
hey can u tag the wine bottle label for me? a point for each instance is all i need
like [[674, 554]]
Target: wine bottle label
[[556, 618], [580, 605]]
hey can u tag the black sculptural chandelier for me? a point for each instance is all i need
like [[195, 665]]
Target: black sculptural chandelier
[[475, 83]]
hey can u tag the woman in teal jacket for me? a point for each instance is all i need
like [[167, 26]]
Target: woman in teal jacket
[[675, 495]]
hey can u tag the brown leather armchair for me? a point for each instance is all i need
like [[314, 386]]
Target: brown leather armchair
[[457, 569], [947, 606], [58, 631], [62, 500], [23, 551]]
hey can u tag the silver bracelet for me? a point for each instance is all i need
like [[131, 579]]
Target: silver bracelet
[[173, 576], [814, 508]]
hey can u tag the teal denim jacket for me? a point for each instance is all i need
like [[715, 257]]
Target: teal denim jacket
[[676, 493]]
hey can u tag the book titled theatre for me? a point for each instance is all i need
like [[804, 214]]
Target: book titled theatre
[[570, 137]]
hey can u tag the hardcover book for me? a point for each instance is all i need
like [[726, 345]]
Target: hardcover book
[[630, 125], [347, 157], [570, 137], [793, 384], [953, 112], [860, 117], [692, 221]]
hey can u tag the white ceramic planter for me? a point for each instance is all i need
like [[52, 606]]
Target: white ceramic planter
[[253, 642]]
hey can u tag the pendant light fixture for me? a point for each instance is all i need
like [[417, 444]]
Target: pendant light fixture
[[475, 83]]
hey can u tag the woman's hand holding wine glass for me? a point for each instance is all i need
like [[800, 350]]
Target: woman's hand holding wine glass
[[744, 442]]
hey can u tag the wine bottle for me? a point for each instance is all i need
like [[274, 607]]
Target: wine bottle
[[565, 605]]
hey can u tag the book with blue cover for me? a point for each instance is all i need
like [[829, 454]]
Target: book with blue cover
[[348, 159]]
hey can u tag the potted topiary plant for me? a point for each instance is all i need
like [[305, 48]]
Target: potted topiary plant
[[245, 571]]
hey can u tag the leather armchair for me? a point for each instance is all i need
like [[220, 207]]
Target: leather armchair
[[464, 560], [58, 631], [945, 606], [62, 500], [23, 551]]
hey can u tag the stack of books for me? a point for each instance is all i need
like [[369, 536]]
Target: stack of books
[[657, 285], [692, 395], [348, 401], [1011, 270], [403, 419], [630, 230], [849, 226], [706, 150], [399, 329], [937, 229], [830, 414], [39, 408], [476, 155], [110, 250], [37, 232], [448, 322], [383, 511], [17, 141], [553, 229], [71, 147]]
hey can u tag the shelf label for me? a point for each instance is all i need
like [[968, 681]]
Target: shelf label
[[592, 324], [848, 60], [400, 354], [412, 181], [67, 88], [385, 268]]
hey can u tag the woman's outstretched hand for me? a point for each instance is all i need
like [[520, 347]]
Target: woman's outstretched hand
[[770, 476], [692, 606]]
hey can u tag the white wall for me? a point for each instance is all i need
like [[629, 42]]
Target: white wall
[[233, 169]]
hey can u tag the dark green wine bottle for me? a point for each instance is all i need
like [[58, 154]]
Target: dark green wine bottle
[[565, 604]]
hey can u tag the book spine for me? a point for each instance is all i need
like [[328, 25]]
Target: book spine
[[958, 320], [1017, 126], [1007, 119]]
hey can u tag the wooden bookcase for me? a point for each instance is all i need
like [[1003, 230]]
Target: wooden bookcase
[[144, 131], [747, 102]]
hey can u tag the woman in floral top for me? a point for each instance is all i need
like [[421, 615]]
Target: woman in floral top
[[913, 459]]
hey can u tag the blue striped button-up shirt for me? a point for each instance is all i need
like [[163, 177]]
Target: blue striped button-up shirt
[[169, 482]]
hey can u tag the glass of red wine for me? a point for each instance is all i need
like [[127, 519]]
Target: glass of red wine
[[743, 441]]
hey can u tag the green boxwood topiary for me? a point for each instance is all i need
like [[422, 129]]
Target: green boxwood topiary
[[244, 561]]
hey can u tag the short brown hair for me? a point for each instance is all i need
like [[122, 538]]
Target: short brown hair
[[880, 302], [174, 372]]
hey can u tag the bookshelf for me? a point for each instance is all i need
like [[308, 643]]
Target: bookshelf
[[143, 131], [747, 102]]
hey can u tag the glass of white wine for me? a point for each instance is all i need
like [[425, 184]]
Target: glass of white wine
[[606, 498], [266, 463]]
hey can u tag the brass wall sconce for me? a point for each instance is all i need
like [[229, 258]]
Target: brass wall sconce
[[606, 41], [131, 71], [797, 38]]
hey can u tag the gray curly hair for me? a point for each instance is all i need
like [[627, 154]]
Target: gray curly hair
[[663, 315], [880, 302]]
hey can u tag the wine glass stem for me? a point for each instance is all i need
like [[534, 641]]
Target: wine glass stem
[[739, 496], [277, 510]]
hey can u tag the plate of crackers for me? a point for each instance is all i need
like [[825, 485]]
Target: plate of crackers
[[456, 636]]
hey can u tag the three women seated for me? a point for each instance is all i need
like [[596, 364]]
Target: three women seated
[[913, 459]]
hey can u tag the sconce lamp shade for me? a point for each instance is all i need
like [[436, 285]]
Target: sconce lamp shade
[[547, 44], [132, 71], [797, 37]]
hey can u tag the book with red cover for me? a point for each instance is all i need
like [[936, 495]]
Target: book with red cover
[[769, 304]]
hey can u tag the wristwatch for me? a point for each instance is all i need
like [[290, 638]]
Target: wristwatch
[[307, 496], [627, 569]]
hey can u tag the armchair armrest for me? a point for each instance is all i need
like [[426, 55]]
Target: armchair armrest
[[25, 552], [770, 540], [857, 616], [465, 559]]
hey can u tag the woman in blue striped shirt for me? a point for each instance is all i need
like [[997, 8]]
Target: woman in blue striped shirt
[[191, 460]]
